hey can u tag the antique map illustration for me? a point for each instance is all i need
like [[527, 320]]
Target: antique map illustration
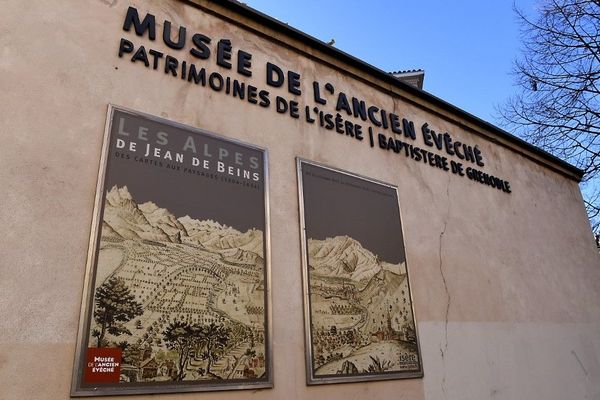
[[196, 291], [360, 322]]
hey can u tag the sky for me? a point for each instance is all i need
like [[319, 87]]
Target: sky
[[466, 47]]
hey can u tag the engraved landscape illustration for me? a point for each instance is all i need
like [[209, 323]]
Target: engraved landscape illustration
[[361, 314], [183, 298]]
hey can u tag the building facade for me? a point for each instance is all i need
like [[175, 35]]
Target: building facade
[[504, 272]]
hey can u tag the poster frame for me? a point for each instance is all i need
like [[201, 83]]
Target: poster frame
[[311, 378], [90, 270]]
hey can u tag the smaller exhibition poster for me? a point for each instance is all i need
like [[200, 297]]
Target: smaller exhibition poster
[[359, 316], [177, 294]]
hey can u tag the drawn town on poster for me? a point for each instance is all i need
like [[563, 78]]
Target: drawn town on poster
[[361, 314], [191, 294]]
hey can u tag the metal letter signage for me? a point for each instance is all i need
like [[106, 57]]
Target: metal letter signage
[[359, 317], [177, 292]]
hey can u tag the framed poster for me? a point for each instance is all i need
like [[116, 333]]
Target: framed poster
[[358, 309], [177, 291]]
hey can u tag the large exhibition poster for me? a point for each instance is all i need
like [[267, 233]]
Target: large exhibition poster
[[177, 290], [359, 317]]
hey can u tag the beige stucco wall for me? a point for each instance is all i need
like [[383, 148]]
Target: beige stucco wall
[[506, 287]]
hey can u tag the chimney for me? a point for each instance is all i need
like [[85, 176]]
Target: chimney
[[413, 77]]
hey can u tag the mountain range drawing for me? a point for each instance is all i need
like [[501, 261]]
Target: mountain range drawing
[[361, 314], [183, 299]]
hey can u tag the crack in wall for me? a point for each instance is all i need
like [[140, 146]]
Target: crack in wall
[[444, 347], [110, 3], [580, 363]]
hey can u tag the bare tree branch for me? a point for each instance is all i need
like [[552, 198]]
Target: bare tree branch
[[558, 104]]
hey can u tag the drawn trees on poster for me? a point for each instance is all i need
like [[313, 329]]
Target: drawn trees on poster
[[190, 303], [115, 305]]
